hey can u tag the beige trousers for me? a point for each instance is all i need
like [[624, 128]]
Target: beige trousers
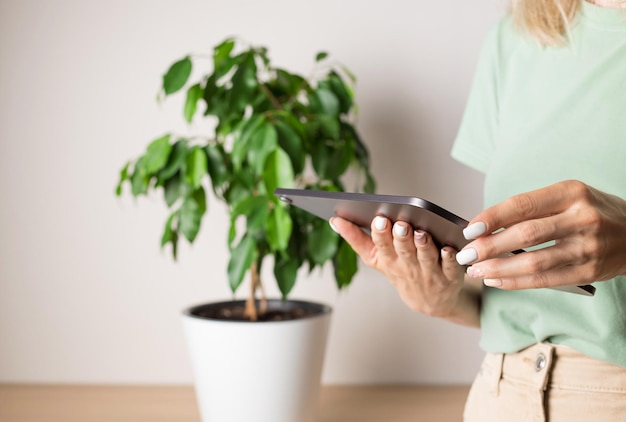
[[547, 383]]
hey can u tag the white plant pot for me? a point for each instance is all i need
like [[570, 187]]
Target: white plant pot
[[257, 371]]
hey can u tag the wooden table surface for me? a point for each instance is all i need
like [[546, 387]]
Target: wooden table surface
[[72, 403]]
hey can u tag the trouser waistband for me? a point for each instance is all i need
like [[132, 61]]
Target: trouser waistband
[[547, 365]]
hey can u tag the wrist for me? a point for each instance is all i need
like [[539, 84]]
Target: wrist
[[466, 309]]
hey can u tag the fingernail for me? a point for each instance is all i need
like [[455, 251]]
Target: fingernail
[[332, 226], [466, 256], [400, 230], [493, 282], [419, 236], [380, 223], [474, 230], [475, 272]]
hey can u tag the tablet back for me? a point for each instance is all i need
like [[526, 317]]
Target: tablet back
[[360, 208]]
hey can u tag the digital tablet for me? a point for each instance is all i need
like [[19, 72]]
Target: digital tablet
[[445, 227]]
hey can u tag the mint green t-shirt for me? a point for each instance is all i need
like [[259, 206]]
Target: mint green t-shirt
[[536, 116]]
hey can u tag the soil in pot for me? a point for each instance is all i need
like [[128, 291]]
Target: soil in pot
[[277, 310]]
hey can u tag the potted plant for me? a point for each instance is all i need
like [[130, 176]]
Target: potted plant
[[272, 128]]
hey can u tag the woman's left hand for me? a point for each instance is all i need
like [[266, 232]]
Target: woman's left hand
[[588, 227]]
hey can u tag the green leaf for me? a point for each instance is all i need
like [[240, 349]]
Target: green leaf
[[255, 208], [247, 178], [226, 65], [328, 102], [175, 160], [301, 226], [329, 126], [342, 158], [242, 135], [176, 76], [261, 102], [330, 160], [123, 177], [370, 183], [345, 264], [361, 151], [278, 228], [236, 192], [321, 158], [173, 189], [156, 155], [321, 242], [349, 73], [256, 220], [217, 165], [263, 141], [191, 213], [170, 235], [289, 140], [139, 181], [222, 51], [241, 258], [210, 94], [194, 93], [244, 83], [288, 83], [227, 125], [278, 172], [232, 234], [196, 166], [199, 196], [321, 56], [292, 121], [343, 93], [285, 271], [262, 53]]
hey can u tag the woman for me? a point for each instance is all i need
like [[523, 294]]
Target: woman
[[545, 121]]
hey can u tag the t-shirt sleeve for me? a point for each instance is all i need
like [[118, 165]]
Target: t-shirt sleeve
[[475, 142]]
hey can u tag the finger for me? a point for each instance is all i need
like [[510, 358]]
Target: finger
[[528, 263], [356, 238], [526, 206], [451, 269], [427, 251], [521, 235], [564, 276], [382, 238], [403, 242]]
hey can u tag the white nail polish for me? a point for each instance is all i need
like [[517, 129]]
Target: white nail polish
[[466, 256], [332, 226], [474, 230], [400, 230], [380, 223], [420, 237], [493, 282], [475, 272]]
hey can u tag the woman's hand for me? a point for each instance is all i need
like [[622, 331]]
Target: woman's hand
[[428, 281], [588, 227]]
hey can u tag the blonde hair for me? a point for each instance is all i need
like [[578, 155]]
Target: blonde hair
[[547, 21]]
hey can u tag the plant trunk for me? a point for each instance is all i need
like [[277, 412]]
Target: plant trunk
[[255, 282], [263, 306]]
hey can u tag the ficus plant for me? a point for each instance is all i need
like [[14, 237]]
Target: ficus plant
[[272, 128]]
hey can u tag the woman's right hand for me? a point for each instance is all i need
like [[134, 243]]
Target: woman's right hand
[[428, 280]]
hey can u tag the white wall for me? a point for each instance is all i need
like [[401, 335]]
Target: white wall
[[85, 293]]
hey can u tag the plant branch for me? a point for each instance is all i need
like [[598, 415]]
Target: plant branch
[[263, 306], [251, 311], [271, 96]]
